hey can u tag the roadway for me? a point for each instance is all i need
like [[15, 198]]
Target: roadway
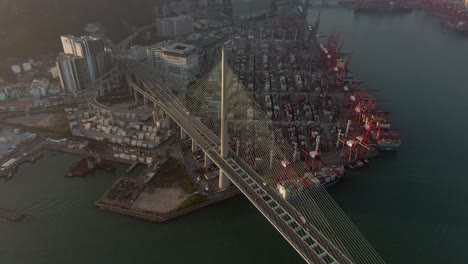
[[124, 43]]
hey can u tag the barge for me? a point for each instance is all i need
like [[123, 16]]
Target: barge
[[86, 165]]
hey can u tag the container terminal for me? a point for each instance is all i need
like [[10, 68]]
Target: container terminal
[[308, 93]]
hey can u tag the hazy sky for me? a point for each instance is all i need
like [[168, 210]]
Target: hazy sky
[[29, 27]]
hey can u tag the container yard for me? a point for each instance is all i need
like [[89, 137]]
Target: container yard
[[142, 129], [304, 88]]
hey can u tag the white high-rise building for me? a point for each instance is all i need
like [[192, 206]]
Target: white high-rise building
[[92, 50], [73, 72], [178, 59]]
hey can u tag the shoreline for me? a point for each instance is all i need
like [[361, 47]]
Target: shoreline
[[165, 217]]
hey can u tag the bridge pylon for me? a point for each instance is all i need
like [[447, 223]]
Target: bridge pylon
[[223, 179]]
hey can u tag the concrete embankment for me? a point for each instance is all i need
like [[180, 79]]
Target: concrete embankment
[[161, 218]]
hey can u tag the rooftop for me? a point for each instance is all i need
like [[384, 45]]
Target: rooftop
[[65, 56], [179, 49]]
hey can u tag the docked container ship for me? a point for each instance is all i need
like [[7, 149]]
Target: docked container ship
[[325, 177], [459, 26], [381, 7], [388, 140]]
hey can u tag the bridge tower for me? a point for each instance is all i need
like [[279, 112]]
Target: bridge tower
[[223, 179]]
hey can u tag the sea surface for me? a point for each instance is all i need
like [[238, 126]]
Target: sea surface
[[411, 205]]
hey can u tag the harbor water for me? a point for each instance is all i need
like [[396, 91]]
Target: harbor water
[[411, 205]]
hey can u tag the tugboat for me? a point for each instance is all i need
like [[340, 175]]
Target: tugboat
[[358, 164]]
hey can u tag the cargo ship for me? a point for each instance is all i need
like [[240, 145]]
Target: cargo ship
[[325, 177], [381, 7], [388, 140], [459, 26]]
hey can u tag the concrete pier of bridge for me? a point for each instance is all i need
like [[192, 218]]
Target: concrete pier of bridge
[[208, 161], [194, 146], [183, 135]]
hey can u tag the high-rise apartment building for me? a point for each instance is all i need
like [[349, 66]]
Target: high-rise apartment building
[[73, 72], [174, 26], [90, 48], [161, 11]]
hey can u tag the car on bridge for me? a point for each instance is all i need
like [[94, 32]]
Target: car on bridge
[[211, 168]]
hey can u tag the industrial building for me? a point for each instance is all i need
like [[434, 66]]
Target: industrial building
[[16, 69], [40, 83], [179, 59], [174, 26], [39, 87]]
